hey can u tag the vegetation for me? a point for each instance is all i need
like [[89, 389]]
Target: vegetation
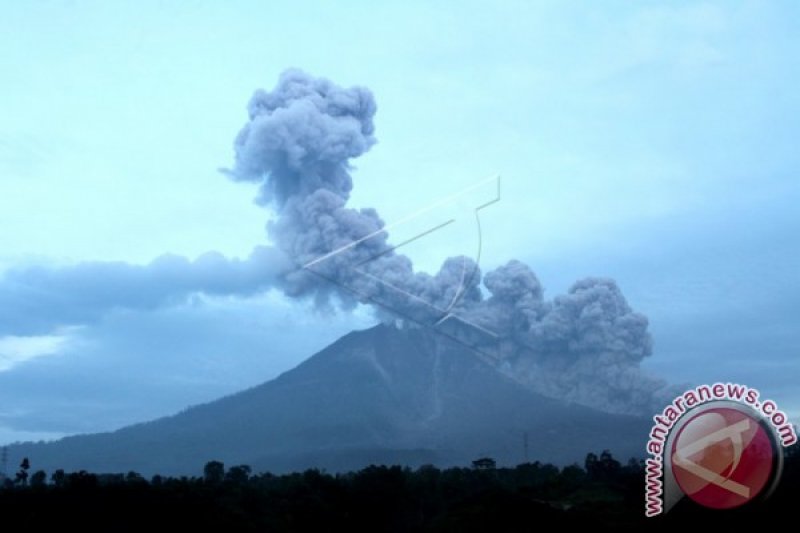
[[602, 494]]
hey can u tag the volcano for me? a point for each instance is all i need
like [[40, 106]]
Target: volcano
[[384, 395]]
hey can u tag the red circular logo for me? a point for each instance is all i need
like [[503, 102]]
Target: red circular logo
[[723, 458]]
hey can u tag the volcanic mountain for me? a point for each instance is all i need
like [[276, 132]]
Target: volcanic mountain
[[381, 395]]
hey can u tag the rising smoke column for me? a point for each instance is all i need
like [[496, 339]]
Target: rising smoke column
[[297, 145], [584, 346]]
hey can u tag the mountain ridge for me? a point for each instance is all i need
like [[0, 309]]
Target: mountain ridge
[[380, 395]]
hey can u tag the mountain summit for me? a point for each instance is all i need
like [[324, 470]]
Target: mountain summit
[[381, 395]]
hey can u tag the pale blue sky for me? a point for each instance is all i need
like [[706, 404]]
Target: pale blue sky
[[652, 142]]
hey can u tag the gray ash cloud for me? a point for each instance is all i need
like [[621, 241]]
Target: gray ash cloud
[[584, 346], [296, 146]]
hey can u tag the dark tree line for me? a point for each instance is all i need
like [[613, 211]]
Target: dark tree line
[[603, 494]]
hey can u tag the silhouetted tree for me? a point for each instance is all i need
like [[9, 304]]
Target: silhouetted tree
[[81, 480], [22, 475], [39, 479], [214, 472], [58, 478], [134, 478], [590, 464], [238, 474], [572, 477], [634, 466], [604, 467], [376, 498]]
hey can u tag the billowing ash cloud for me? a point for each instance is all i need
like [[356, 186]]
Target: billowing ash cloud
[[302, 134], [585, 346], [297, 146]]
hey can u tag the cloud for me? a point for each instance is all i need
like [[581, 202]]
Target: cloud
[[139, 365], [15, 350], [36, 300]]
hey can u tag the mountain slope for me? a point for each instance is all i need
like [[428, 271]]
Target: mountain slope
[[378, 395]]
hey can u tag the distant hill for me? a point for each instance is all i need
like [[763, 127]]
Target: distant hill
[[382, 395]]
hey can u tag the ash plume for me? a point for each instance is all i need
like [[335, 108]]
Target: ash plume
[[584, 346], [297, 145]]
